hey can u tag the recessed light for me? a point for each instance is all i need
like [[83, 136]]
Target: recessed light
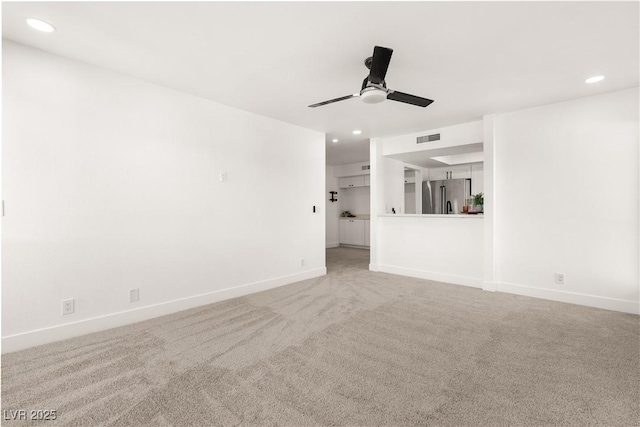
[[357, 132], [334, 140], [594, 79], [40, 25]]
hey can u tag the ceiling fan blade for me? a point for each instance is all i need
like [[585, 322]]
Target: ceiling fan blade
[[408, 99], [379, 64], [331, 101]]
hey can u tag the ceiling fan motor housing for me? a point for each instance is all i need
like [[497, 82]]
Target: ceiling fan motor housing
[[372, 95]]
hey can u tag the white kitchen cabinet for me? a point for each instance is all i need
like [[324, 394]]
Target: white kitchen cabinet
[[409, 176], [367, 233], [344, 225], [436, 174], [352, 232], [450, 172], [352, 181]]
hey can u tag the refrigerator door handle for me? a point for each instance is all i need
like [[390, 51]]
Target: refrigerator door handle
[[444, 202], [443, 197]]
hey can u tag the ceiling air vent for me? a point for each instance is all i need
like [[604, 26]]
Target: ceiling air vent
[[428, 138], [366, 167]]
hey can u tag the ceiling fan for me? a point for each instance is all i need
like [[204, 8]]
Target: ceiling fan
[[374, 88]]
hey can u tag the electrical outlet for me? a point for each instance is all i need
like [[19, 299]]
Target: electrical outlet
[[134, 295], [68, 306], [223, 176], [560, 278]]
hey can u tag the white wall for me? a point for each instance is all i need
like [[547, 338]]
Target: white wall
[[562, 192], [477, 178], [451, 136], [111, 183], [377, 200], [425, 246], [393, 185], [356, 200], [351, 169], [333, 209], [432, 247], [410, 197], [567, 200], [488, 182]]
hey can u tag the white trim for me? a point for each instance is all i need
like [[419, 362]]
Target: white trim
[[374, 209], [490, 202], [431, 216], [632, 307], [333, 245], [488, 286], [473, 282], [69, 330]]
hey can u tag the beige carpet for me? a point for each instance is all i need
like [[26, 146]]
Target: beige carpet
[[352, 348]]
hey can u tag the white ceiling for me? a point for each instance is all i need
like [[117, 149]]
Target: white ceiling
[[276, 58]]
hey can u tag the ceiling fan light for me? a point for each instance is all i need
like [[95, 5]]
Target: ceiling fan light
[[40, 25], [594, 79], [373, 95]]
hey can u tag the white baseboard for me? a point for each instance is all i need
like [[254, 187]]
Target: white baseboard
[[489, 286], [333, 245], [432, 275], [69, 330], [632, 307]]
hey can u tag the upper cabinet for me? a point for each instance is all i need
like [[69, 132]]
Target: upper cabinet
[[450, 172], [354, 181], [409, 176]]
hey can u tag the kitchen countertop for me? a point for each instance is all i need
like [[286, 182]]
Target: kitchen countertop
[[362, 217], [432, 216]]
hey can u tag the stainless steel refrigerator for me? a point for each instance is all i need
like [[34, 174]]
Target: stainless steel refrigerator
[[445, 196]]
